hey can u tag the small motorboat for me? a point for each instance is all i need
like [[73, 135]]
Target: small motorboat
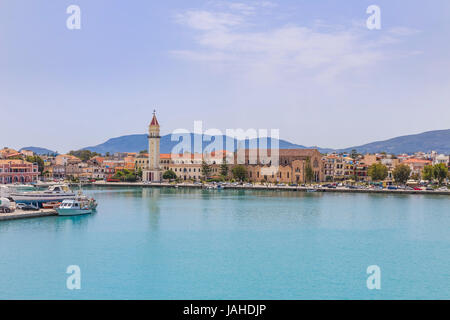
[[51, 205]]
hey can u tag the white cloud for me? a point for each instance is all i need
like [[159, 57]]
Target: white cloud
[[208, 21], [403, 31], [320, 52]]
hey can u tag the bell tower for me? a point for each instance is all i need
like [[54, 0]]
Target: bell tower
[[153, 172]]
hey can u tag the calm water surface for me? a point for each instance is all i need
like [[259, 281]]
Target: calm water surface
[[193, 244]]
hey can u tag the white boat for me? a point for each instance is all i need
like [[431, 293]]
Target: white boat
[[56, 193], [7, 189], [72, 207]]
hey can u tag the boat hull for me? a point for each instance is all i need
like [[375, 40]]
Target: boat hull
[[40, 199], [72, 212]]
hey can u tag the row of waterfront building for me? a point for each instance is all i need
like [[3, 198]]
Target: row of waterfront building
[[294, 165]]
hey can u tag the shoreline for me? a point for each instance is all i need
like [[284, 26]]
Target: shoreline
[[271, 188]]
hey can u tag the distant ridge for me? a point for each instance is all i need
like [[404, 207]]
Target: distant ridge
[[438, 140], [139, 142], [39, 151]]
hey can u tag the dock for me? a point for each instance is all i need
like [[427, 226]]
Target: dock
[[22, 214]]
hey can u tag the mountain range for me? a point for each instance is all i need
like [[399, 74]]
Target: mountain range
[[437, 140], [38, 150]]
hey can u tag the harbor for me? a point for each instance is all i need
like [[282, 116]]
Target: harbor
[[57, 199], [175, 243]]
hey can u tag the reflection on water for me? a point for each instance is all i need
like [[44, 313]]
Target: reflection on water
[[75, 223], [152, 196]]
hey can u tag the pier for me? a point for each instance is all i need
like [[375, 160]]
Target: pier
[[22, 214]]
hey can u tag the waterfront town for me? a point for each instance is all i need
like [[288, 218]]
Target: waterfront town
[[296, 166]]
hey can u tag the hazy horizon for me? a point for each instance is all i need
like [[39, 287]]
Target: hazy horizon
[[163, 134]]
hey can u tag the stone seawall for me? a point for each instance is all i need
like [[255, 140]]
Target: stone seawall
[[273, 188]]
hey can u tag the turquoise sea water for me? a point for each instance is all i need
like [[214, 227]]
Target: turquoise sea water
[[197, 244]]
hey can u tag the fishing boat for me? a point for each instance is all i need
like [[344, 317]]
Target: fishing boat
[[56, 193], [92, 204], [73, 207]]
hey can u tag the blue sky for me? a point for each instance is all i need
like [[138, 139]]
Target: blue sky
[[309, 68]]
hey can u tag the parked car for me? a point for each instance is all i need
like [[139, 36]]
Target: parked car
[[27, 207], [5, 205], [418, 188]]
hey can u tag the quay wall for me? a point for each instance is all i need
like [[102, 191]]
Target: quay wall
[[21, 214], [272, 188]]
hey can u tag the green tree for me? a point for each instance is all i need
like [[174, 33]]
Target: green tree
[[38, 160], [309, 172], [84, 155], [428, 173], [401, 173], [169, 175], [354, 154], [125, 175], [440, 172], [139, 173], [224, 168], [143, 151], [378, 171], [239, 172], [131, 177], [415, 176], [206, 170]]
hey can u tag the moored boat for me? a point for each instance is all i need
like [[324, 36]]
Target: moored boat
[[56, 193], [73, 207], [51, 205]]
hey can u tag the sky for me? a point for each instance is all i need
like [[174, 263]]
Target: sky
[[311, 69]]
